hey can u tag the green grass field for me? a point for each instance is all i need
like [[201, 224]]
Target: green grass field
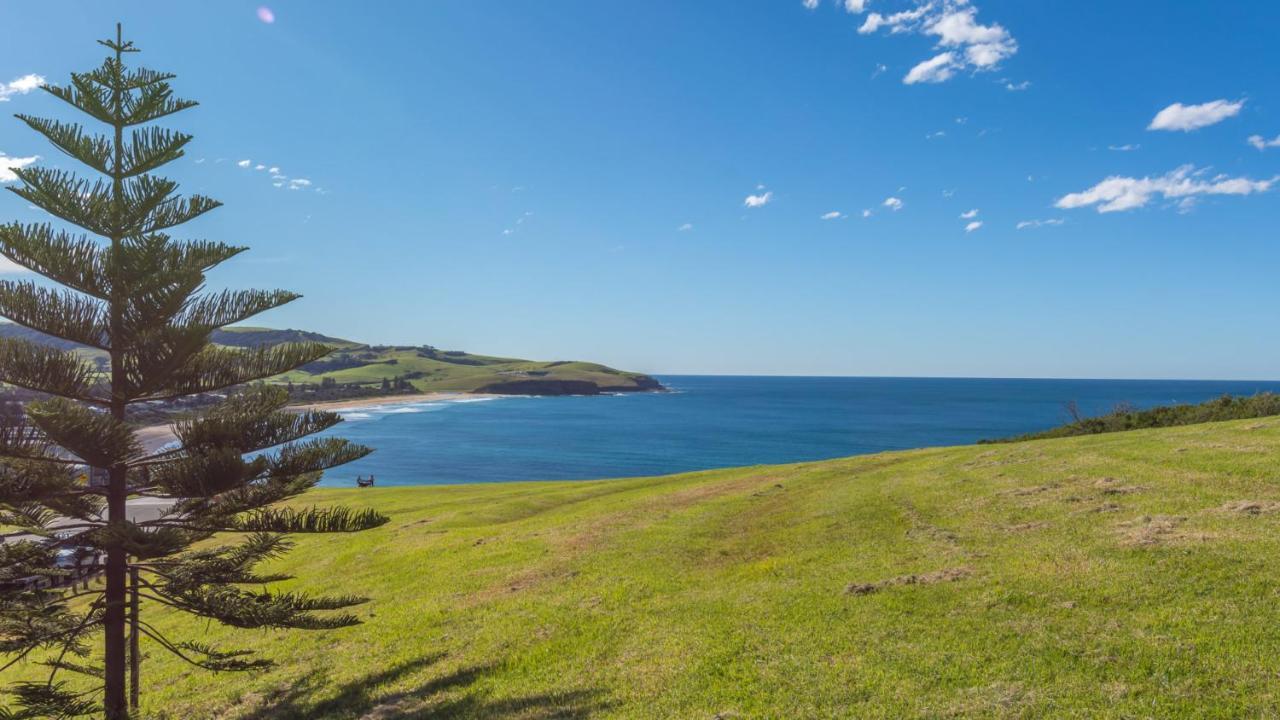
[[1128, 575]]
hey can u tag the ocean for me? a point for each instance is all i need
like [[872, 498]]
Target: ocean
[[711, 422]]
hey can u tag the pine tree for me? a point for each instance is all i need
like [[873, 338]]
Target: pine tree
[[138, 295]]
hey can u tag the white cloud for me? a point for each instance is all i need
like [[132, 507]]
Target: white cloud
[[274, 170], [810, 4], [1190, 117], [969, 215], [892, 203], [244, 163], [897, 22], [685, 227], [1127, 147], [1016, 87], [298, 183], [966, 43], [20, 86], [8, 164], [936, 135], [1118, 193], [259, 167], [973, 226], [755, 201], [1262, 143], [1039, 223], [867, 213], [857, 7], [833, 215], [939, 68]]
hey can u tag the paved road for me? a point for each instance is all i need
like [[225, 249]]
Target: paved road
[[137, 510]]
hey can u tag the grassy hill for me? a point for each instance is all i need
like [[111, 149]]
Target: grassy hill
[[1121, 575], [357, 368]]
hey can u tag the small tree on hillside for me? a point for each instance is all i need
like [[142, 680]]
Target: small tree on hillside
[[138, 298]]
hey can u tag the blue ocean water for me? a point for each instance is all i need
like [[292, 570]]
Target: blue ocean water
[[710, 422]]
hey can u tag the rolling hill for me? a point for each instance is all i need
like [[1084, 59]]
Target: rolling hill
[[1127, 575], [356, 368]]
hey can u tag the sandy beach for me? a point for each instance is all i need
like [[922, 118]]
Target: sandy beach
[[381, 401], [154, 437]]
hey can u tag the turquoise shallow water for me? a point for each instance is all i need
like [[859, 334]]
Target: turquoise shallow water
[[710, 422]]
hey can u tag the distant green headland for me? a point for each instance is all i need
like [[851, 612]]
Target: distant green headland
[[357, 369]]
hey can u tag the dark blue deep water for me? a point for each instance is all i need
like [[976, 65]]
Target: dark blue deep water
[[710, 422]]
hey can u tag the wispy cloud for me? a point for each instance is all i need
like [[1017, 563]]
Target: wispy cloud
[[973, 226], [755, 201], [810, 4], [867, 213], [833, 215], [685, 227], [1184, 184], [893, 203], [1031, 224], [1191, 117], [1262, 143], [1127, 147], [20, 86], [1016, 87], [936, 135], [9, 164], [969, 215], [299, 183], [244, 163], [965, 43]]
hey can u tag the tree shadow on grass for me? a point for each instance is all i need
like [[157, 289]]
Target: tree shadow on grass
[[359, 699]]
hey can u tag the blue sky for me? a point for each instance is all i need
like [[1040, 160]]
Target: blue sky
[[573, 179]]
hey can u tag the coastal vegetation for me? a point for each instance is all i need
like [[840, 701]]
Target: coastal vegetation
[[356, 370], [1120, 575], [1126, 417], [71, 462]]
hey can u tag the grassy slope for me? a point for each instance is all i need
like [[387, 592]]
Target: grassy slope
[[725, 592]]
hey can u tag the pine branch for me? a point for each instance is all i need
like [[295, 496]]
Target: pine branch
[[71, 260], [97, 438], [86, 96], [311, 456], [59, 313], [228, 307], [84, 203], [311, 520], [47, 370], [251, 421], [150, 148], [92, 150], [217, 368]]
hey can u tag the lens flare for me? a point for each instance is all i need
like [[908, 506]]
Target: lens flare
[[265, 15]]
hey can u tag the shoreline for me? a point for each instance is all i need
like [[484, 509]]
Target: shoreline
[[154, 437], [384, 400]]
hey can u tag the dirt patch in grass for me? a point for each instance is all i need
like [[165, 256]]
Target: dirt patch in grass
[[1112, 486], [929, 578], [1026, 527], [1151, 530], [1251, 507]]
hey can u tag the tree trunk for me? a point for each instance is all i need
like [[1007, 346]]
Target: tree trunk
[[115, 700]]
